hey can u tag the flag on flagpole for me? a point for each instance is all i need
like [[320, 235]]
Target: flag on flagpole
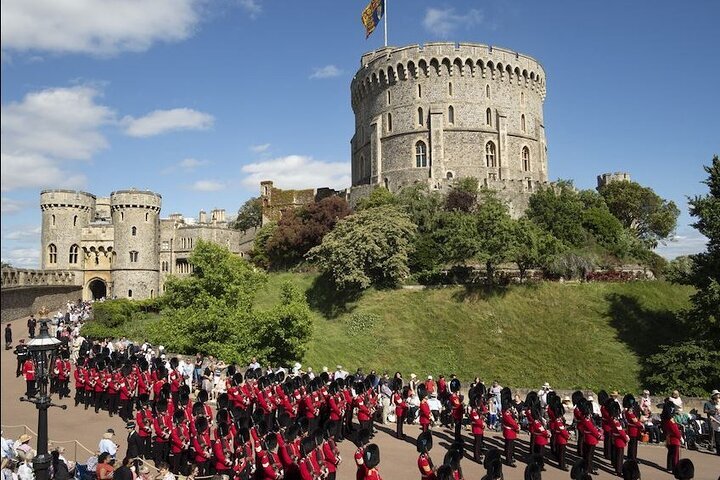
[[372, 14]]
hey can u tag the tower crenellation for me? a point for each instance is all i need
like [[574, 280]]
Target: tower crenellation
[[64, 214]]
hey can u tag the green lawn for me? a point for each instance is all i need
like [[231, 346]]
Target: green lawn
[[571, 335]]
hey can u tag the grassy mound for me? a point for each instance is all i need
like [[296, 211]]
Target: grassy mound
[[571, 335]]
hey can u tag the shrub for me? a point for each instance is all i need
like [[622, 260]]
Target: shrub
[[692, 367], [113, 313]]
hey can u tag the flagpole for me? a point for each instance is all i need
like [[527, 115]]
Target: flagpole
[[385, 20]]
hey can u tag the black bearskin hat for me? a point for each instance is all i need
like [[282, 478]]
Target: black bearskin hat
[[576, 397], [349, 380], [424, 442], [202, 396], [249, 374], [421, 391], [330, 428], [280, 376], [161, 405], [585, 407], [201, 424], [453, 457], [505, 398], [231, 370], [684, 470], [370, 381], [318, 436], [291, 433], [363, 437], [237, 378], [577, 472], [613, 408], [372, 456], [533, 472], [493, 464], [628, 401], [271, 441], [223, 429], [174, 363], [630, 470], [340, 383], [223, 400], [178, 416], [223, 416], [360, 387], [198, 409], [307, 445], [455, 385], [444, 472], [325, 377], [668, 410], [406, 391], [603, 398], [284, 420]]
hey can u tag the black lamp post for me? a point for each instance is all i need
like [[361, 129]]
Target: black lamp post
[[43, 351]]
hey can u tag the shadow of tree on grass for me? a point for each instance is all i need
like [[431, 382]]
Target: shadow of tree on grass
[[323, 297]]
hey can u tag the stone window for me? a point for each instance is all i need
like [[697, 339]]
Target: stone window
[[449, 175], [133, 231], [450, 88], [165, 245], [386, 183], [363, 167], [490, 158], [133, 256], [419, 91], [389, 122], [526, 159], [52, 220], [487, 91], [52, 253], [529, 183], [451, 114], [74, 253], [420, 154], [492, 176], [75, 221], [421, 117], [388, 97], [152, 293], [522, 122], [488, 117], [122, 216], [147, 216], [129, 293]]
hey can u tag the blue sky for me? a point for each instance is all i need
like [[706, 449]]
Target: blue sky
[[199, 100]]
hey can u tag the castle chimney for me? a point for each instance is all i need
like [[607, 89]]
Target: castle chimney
[[202, 217]]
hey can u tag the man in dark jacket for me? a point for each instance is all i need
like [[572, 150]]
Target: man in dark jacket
[[134, 441], [21, 352], [8, 337]]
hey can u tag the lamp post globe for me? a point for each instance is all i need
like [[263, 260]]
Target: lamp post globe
[[43, 350]]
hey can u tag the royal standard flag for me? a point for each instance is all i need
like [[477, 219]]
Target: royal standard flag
[[372, 14]]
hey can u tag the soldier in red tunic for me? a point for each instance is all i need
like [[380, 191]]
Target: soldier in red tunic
[[618, 436], [401, 407], [458, 410], [560, 433], [425, 464], [425, 414], [372, 460], [673, 436], [510, 425], [363, 436], [590, 435], [631, 415]]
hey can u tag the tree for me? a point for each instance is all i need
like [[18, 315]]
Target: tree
[[532, 246], [494, 231], [558, 210], [378, 197], [249, 215], [463, 196], [370, 247], [456, 236], [300, 230], [679, 270], [212, 312], [704, 314], [641, 210], [259, 254]]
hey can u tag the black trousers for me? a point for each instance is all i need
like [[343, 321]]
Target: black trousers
[[399, 422], [618, 459], [126, 410], [581, 443], [348, 421], [113, 399], [538, 450], [30, 390], [89, 398], [509, 451], [588, 453], [79, 396], [717, 442], [161, 451], [560, 455], [99, 398], [147, 447], [365, 424], [607, 448], [478, 447], [458, 431], [673, 456], [632, 449]]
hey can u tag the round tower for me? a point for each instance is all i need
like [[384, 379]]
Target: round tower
[[443, 111], [64, 214], [136, 265]]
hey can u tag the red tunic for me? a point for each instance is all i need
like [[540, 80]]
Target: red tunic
[[541, 434], [424, 413], [510, 425], [331, 460], [222, 461], [635, 426], [372, 474], [457, 407], [363, 413], [426, 471], [478, 422], [561, 435], [591, 435], [620, 438], [672, 432], [28, 370], [360, 463]]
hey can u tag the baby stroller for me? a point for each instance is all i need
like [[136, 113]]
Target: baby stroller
[[698, 433]]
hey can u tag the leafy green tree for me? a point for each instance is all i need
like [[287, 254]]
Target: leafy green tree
[[494, 231], [370, 247], [259, 253], [691, 367], [457, 236], [705, 312], [422, 205], [463, 196], [211, 312], [249, 215], [679, 270], [532, 246], [604, 227], [641, 210], [378, 197], [559, 210]]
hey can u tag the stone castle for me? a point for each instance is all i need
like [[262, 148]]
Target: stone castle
[[118, 246]]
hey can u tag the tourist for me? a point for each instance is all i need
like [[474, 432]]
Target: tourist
[[413, 382], [430, 385], [61, 468], [712, 409], [104, 469], [123, 472], [22, 447], [31, 324], [8, 337], [107, 445], [25, 470], [677, 401], [8, 472], [254, 364], [164, 472]]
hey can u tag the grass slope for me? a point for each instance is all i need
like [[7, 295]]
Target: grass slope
[[571, 335]]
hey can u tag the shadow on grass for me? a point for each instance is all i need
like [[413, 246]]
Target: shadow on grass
[[480, 291], [642, 329], [323, 297]]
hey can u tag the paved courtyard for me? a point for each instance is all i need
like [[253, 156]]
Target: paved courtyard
[[398, 458]]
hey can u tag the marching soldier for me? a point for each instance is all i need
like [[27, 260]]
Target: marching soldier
[[561, 435], [398, 399], [510, 425], [457, 408], [372, 460], [425, 464], [28, 371], [363, 436], [477, 422], [673, 436], [590, 435], [631, 415], [619, 437], [425, 414]]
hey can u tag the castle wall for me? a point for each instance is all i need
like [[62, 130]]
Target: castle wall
[[64, 214], [440, 94]]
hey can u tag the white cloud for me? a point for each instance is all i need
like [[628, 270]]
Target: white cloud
[[163, 121], [690, 243], [260, 148], [24, 233], [192, 163], [445, 22], [252, 7], [328, 71], [98, 27], [35, 171], [58, 122], [10, 206], [298, 171], [207, 186], [22, 257]]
